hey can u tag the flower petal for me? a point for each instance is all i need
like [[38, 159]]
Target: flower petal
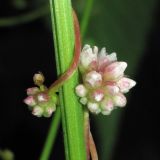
[[81, 90], [104, 59], [119, 100], [37, 111], [93, 79], [88, 57], [114, 71], [112, 89], [93, 107], [107, 105], [97, 95], [83, 100], [32, 91], [125, 84], [30, 101]]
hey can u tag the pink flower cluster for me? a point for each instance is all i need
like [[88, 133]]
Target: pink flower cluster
[[104, 82], [40, 102]]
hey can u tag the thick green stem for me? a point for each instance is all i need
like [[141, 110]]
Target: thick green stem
[[56, 119], [72, 113]]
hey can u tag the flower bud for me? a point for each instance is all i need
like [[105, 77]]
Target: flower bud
[[125, 84], [93, 79], [38, 79], [83, 100], [119, 100], [30, 101], [81, 90], [114, 71], [37, 111], [88, 56], [97, 95], [42, 97], [93, 107], [48, 111], [32, 91], [107, 106], [112, 89]]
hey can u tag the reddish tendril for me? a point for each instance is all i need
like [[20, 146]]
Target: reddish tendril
[[77, 50]]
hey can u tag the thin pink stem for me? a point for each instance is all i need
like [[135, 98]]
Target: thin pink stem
[[93, 149], [77, 50]]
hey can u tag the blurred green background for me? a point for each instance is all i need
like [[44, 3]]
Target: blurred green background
[[130, 28]]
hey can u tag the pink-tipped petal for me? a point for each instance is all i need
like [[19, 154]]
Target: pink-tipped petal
[[81, 90], [112, 89], [107, 105], [104, 60], [93, 79], [32, 91], [125, 84], [37, 111], [30, 101], [114, 71], [88, 56], [93, 107], [42, 97], [119, 100], [97, 95]]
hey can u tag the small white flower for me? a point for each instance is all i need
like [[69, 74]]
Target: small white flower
[[97, 95], [88, 56], [30, 101], [93, 107], [125, 84], [104, 79], [93, 79], [83, 100], [37, 111], [81, 90], [107, 105], [114, 71], [42, 97], [119, 100]]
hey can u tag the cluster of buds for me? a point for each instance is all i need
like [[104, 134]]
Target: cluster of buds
[[104, 82], [40, 102]]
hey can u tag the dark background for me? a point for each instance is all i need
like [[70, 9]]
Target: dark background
[[28, 48]]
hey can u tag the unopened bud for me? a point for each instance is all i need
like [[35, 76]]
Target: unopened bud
[[32, 91], [81, 90], [38, 79], [119, 100], [84, 100], [42, 97], [97, 95], [30, 101], [37, 111], [107, 106], [93, 107], [93, 79]]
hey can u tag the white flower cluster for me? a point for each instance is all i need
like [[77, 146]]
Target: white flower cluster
[[104, 82]]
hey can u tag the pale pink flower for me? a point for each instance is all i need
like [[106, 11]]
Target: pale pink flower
[[104, 81], [39, 100]]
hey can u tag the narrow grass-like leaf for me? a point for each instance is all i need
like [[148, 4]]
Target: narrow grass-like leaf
[[72, 113]]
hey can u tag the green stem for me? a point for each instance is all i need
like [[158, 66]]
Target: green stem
[[86, 17], [86, 132], [28, 17], [47, 147], [51, 135], [72, 113]]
